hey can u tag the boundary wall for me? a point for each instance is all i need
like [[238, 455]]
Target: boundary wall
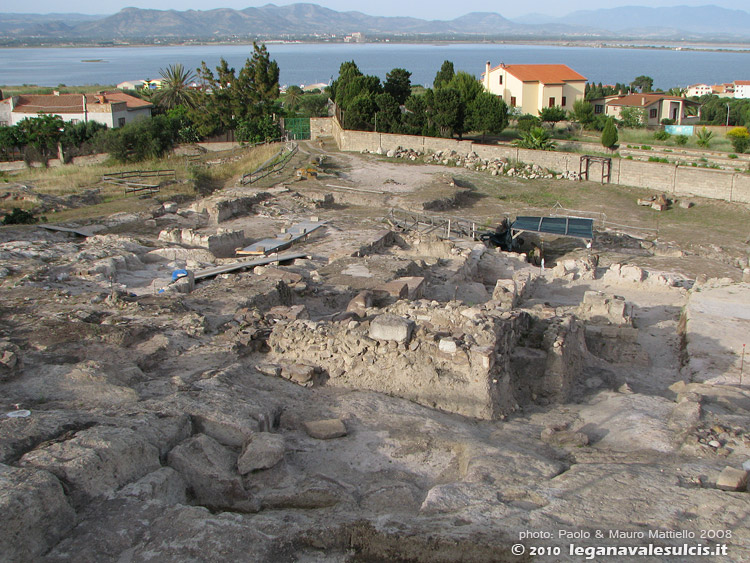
[[668, 178]]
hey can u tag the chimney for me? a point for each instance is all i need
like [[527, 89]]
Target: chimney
[[643, 100]]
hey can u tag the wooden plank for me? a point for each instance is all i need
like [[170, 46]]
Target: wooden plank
[[79, 232], [228, 268], [282, 241]]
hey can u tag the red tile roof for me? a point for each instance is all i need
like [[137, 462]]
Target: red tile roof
[[109, 97], [48, 103], [71, 103], [742, 82], [641, 100], [546, 74]]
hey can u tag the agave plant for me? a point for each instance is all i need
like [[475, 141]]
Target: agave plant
[[175, 88], [536, 138]]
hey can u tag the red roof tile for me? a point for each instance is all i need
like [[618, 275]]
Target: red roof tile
[[48, 103], [546, 74], [131, 101], [71, 103], [641, 100]]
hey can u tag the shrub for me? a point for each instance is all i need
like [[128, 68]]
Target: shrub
[[662, 135], [526, 122], [740, 138], [681, 140], [732, 155], [657, 159], [19, 217], [141, 140], [667, 121], [645, 147]]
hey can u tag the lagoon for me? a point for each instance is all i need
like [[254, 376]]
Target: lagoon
[[312, 63]]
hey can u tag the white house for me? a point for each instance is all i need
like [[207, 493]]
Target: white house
[[113, 109], [656, 106], [698, 90], [742, 89]]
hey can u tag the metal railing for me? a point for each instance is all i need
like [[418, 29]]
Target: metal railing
[[123, 179], [272, 165], [440, 225]]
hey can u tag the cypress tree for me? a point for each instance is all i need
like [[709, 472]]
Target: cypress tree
[[609, 134]]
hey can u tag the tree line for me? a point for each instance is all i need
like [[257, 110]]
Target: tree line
[[455, 105]]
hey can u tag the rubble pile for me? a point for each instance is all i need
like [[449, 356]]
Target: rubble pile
[[472, 161]]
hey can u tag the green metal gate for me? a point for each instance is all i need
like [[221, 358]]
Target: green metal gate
[[298, 128]]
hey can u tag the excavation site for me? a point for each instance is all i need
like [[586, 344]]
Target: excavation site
[[371, 356]]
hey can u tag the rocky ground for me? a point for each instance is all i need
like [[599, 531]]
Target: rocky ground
[[392, 396]]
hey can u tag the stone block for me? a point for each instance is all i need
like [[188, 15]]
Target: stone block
[[262, 452], [299, 373], [96, 462], [564, 438], [325, 429], [732, 479], [505, 292], [395, 288], [163, 485], [415, 286], [447, 346], [210, 471], [360, 303], [391, 327], [34, 513]]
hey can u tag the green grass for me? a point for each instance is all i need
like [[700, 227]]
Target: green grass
[[71, 179]]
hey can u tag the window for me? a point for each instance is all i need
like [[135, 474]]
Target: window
[[512, 101], [552, 102], [598, 108], [652, 113], [121, 122], [564, 101], [501, 79]]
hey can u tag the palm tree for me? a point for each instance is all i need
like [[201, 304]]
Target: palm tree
[[175, 88], [292, 98]]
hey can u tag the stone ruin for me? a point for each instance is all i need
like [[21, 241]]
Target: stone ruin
[[478, 361]]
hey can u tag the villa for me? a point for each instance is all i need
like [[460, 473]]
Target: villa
[[531, 87]]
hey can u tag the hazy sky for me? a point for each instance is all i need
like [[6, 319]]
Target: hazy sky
[[425, 9]]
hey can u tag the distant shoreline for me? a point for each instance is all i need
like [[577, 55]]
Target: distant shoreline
[[733, 47]]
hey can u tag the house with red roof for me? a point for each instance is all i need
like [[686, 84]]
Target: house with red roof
[[657, 106], [535, 86], [113, 109]]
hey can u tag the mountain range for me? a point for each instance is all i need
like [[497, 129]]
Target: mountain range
[[306, 20]]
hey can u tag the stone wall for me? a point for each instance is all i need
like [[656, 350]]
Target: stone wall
[[654, 176], [222, 244], [455, 358]]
